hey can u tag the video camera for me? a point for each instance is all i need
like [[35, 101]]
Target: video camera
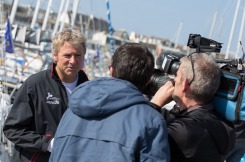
[[229, 100], [168, 62]]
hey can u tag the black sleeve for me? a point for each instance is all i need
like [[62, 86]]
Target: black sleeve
[[175, 152], [155, 106], [19, 126]]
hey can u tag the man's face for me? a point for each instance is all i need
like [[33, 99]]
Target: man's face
[[69, 61], [178, 88]]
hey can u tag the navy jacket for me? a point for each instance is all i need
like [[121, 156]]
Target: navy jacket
[[109, 120]]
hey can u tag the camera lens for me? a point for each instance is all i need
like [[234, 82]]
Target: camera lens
[[158, 79], [174, 68]]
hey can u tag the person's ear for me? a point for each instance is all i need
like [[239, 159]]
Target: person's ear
[[55, 57], [185, 85]]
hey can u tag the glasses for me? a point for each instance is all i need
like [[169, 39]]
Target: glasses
[[192, 66]]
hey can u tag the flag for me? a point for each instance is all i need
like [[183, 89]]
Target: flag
[[8, 40]]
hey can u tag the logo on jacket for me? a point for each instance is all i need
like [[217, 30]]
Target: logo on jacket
[[50, 99]]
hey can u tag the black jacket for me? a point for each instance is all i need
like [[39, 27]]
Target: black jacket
[[240, 130], [198, 135], [33, 119]]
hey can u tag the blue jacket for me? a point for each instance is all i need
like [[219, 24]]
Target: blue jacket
[[109, 120]]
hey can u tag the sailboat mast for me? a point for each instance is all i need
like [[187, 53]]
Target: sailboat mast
[[34, 19], [46, 15], [221, 28], [240, 33], [56, 26], [232, 30], [13, 11], [64, 14], [212, 26], [178, 35], [74, 12], [2, 23]]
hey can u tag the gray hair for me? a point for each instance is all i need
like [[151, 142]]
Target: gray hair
[[207, 76], [74, 37]]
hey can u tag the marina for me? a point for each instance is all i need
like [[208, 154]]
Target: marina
[[32, 29], [32, 52]]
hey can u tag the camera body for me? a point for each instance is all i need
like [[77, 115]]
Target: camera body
[[168, 62], [171, 60], [202, 44], [229, 100]]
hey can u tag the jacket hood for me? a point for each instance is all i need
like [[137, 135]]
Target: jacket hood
[[104, 96]]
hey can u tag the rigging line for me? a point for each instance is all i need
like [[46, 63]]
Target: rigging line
[[226, 8], [92, 6], [220, 14], [221, 17], [33, 3]]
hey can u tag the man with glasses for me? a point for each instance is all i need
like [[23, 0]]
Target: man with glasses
[[196, 133]]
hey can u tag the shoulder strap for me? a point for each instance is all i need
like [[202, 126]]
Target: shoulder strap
[[222, 147], [239, 102], [208, 129]]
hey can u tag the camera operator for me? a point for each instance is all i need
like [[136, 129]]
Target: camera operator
[[195, 131]]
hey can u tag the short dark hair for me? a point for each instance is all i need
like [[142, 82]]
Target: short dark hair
[[133, 62]]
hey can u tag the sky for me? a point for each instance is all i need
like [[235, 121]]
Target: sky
[[163, 18]]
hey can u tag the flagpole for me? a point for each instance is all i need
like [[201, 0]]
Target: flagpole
[[110, 26], [4, 87], [2, 27], [8, 46]]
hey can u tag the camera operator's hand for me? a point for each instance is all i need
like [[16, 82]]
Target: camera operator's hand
[[164, 94]]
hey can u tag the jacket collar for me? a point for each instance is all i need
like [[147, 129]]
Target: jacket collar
[[208, 106], [53, 73]]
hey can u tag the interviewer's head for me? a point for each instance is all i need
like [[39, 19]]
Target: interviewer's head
[[133, 62]]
